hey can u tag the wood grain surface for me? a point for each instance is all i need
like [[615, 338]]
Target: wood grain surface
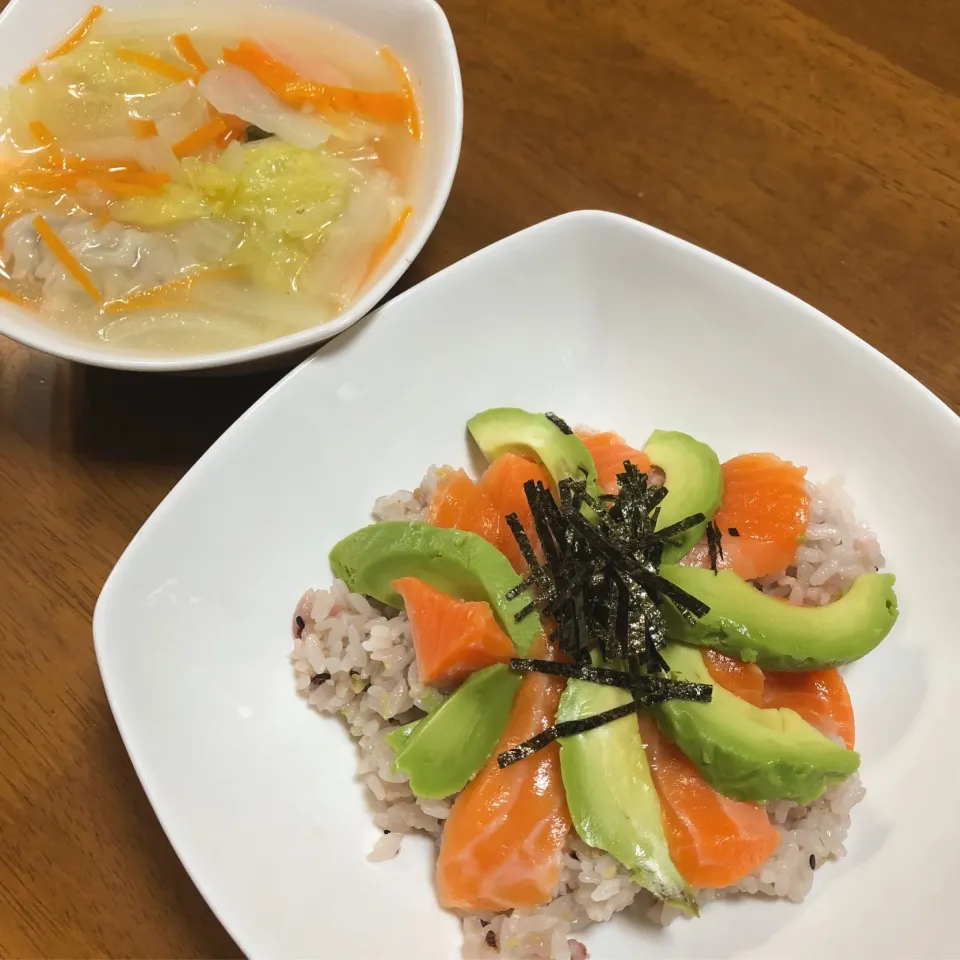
[[816, 143]]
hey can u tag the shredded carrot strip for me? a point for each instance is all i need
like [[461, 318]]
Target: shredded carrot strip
[[156, 64], [142, 129], [201, 138], [48, 179], [41, 133], [15, 298], [413, 115], [273, 74], [387, 243], [122, 180], [185, 47], [386, 107], [282, 70], [78, 32], [159, 294], [59, 249], [70, 41], [124, 165]]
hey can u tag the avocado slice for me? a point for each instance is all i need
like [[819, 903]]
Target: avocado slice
[[444, 750], [398, 738], [534, 436], [746, 752], [461, 564], [611, 795], [756, 628], [694, 481]]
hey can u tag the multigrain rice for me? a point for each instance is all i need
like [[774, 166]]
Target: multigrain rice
[[354, 659]]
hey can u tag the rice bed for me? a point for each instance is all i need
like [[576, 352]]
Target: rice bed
[[357, 660]]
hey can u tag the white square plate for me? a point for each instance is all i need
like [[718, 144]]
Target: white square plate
[[608, 322]]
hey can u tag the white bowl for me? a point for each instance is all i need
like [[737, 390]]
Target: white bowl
[[607, 322], [419, 34]]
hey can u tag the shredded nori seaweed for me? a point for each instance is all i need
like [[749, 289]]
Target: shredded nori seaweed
[[714, 545], [560, 424], [318, 678], [491, 940], [646, 684], [571, 728], [733, 531], [599, 581], [813, 862]]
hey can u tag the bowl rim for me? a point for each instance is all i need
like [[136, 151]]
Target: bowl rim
[[34, 334]]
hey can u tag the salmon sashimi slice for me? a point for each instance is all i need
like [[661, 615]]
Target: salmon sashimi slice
[[609, 451], [459, 504], [714, 841], [452, 638], [765, 501], [503, 482], [819, 696], [745, 680], [503, 842]]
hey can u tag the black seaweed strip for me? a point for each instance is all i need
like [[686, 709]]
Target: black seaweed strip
[[559, 423], [523, 541], [655, 497], [657, 628], [623, 618], [712, 547], [636, 629], [611, 603], [525, 611], [685, 602], [569, 728], [681, 526], [604, 675], [581, 631], [535, 493], [657, 663]]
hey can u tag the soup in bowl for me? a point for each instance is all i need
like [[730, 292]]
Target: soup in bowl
[[189, 184]]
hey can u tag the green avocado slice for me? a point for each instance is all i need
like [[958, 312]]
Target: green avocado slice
[[610, 792], [746, 752], [533, 435], [444, 750], [694, 481], [460, 564], [756, 628]]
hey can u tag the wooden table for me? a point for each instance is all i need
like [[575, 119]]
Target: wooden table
[[817, 143]]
